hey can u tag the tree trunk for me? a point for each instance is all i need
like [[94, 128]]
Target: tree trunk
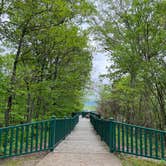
[[28, 103], [161, 101], [13, 81], [2, 5]]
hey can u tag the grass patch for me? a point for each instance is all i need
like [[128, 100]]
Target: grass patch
[[27, 160], [11, 162], [134, 161]]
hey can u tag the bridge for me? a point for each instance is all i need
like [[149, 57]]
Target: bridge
[[75, 141], [81, 148]]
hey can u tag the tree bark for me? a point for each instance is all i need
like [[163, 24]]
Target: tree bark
[[2, 6], [13, 81], [161, 101], [29, 114]]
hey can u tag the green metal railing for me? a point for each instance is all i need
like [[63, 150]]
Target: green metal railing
[[34, 137], [131, 139], [85, 113]]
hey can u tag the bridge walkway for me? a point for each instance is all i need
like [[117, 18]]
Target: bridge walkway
[[81, 148]]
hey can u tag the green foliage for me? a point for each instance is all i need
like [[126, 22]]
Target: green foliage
[[134, 33], [49, 64], [133, 161]]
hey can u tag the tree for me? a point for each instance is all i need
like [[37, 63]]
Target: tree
[[45, 40], [134, 33]]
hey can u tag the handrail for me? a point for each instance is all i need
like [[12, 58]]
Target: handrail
[[35, 137], [131, 139]]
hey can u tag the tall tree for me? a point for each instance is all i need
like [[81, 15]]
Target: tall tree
[[134, 33], [39, 33]]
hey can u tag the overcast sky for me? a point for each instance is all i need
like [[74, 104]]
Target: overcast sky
[[99, 66], [100, 62]]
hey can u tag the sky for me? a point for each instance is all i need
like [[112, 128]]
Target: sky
[[99, 66]]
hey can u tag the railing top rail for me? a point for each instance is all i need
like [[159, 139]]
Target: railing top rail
[[25, 124], [140, 127], [131, 125], [33, 123]]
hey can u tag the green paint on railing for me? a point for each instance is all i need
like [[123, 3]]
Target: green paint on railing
[[141, 150], [123, 138], [34, 137], [131, 139]]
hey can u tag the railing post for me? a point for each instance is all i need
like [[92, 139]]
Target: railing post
[[101, 129], [70, 126], [65, 127], [52, 134], [111, 135]]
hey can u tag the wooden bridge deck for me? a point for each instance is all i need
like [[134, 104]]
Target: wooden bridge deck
[[81, 148]]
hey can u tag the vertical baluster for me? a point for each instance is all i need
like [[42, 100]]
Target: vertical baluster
[[71, 125], [49, 135], [22, 139], [61, 128], [103, 130], [17, 140], [108, 132], [37, 132], [156, 144], [58, 131], [100, 128], [32, 137], [6, 141], [27, 138], [58, 134], [114, 124], [131, 139], [64, 128], [145, 140], [141, 151], [68, 126], [150, 143], [111, 132], [45, 135], [127, 139], [41, 135], [119, 137], [136, 141], [11, 141], [122, 137], [104, 127], [162, 145], [1, 139], [53, 127]]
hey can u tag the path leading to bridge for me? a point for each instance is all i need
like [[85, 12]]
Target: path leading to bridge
[[81, 148]]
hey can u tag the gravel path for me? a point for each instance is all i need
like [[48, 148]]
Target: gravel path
[[81, 148]]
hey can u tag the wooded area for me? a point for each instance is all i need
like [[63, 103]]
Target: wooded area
[[46, 59], [134, 35], [47, 63]]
